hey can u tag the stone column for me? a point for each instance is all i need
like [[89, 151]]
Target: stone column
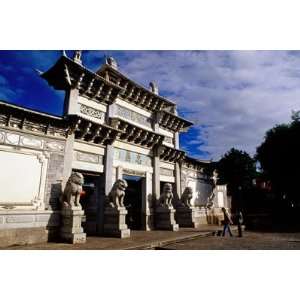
[[147, 203], [70, 107], [119, 174], [111, 111], [68, 159], [177, 180], [176, 137], [156, 176], [109, 158], [108, 183], [71, 102]]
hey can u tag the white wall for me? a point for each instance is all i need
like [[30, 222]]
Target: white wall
[[22, 177]]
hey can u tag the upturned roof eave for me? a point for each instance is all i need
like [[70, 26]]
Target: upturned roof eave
[[55, 75], [187, 122], [106, 66], [196, 160], [23, 109]]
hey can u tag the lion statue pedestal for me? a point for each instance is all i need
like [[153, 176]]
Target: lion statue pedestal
[[71, 230], [115, 212], [164, 211], [186, 214], [72, 214]]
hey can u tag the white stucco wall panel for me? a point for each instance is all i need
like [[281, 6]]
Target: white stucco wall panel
[[23, 176]]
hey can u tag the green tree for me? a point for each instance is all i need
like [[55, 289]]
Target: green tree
[[279, 157], [237, 169]]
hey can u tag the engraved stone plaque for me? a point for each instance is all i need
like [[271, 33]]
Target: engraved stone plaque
[[88, 157], [12, 138], [2, 137], [31, 142], [54, 146]]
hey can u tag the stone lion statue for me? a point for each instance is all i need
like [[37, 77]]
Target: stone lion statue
[[186, 197], [166, 198], [116, 196], [73, 189], [215, 177]]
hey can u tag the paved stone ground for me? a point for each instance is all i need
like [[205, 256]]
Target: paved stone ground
[[184, 239], [250, 241], [138, 240]]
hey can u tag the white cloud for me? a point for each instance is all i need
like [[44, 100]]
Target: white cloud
[[238, 95], [5, 91]]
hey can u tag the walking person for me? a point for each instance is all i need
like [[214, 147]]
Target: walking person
[[227, 222], [240, 221]]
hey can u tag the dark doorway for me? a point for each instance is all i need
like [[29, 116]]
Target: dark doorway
[[89, 200], [133, 201]]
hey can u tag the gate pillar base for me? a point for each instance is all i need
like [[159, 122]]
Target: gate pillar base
[[114, 222], [71, 230], [165, 219], [187, 217]]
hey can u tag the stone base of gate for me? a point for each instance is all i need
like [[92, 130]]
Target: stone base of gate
[[115, 222], [165, 219], [187, 217], [71, 230]]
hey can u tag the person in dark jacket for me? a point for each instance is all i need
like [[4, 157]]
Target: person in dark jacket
[[227, 222], [240, 221]]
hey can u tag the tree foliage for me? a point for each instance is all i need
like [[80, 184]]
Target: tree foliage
[[279, 157], [236, 169]]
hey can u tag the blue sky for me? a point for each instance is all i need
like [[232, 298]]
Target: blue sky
[[233, 97]]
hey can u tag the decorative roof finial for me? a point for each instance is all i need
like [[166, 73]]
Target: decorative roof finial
[[39, 72], [77, 56], [112, 62], [153, 87]]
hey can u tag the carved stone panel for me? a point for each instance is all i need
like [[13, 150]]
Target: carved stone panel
[[88, 157], [2, 137], [166, 172], [131, 115], [54, 146], [30, 141], [12, 139], [132, 157], [92, 112], [134, 172]]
